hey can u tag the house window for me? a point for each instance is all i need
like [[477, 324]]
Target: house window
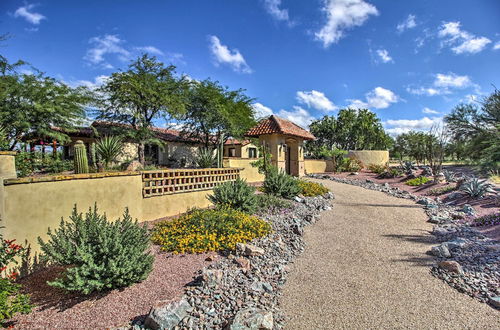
[[232, 152], [252, 152]]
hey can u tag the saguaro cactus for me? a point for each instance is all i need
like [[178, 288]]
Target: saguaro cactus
[[81, 162]]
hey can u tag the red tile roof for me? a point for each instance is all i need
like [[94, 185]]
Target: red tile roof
[[275, 124], [237, 142]]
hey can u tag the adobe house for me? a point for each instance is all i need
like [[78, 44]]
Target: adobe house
[[285, 142], [240, 149]]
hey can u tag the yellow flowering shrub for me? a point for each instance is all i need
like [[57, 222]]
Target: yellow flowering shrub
[[311, 189], [208, 230]]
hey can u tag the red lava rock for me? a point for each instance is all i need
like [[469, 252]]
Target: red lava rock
[[451, 266]]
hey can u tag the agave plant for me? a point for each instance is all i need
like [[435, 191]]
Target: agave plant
[[476, 188], [108, 148], [205, 158], [407, 167], [449, 176]]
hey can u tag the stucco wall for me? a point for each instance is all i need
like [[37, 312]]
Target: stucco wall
[[368, 157], [318, 166], [28, 209], [179, 153], [248, 172]]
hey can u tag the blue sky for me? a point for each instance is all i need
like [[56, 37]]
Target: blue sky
[[410, 62]]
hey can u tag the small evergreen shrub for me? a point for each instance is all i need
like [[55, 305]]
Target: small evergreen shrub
[[267, 202], [421, 180], [236, 194], [101, 255], [11, 300], [208, 230], [476, 188], [279, 183], [442, 190], [311, 189], [377, 169]]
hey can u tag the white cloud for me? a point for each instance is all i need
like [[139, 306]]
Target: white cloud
[[384, 55], [26, 13], [261, 110], [150, 50], [343, 15], [299, 116], [461, 41], [273, 8], [399, 126], [443, 84], [408, 23], [316, 100], [224, 55], [106, 45], [497, 45], [379, 98], [98, 81], [430, 111]]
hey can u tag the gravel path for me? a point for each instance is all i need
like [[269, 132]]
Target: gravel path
[[365, 266]]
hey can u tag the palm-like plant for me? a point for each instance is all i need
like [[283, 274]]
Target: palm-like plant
[[205, 158], [108, 148]]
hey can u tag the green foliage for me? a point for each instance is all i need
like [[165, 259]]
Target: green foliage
[[407, 167], [24, 164], [12, 301], [476, 188], [350, 130], [349, 165], [266, 202], [389, 173], [205, 158], [100, 255], [264, 162], [377, 169], [279, 183], [29, 163], [449, 176], [32, 104], [208, 230], [421, 180], [148, 90], [108, 148], [237, 195], [214, 113], [80, 160], [442, 190], [311, 189]]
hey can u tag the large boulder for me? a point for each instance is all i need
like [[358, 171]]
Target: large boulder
[[249, 249], [441, 251], [252, 319], [167, 314], [451, 266]]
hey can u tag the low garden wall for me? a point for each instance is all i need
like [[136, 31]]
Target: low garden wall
[[248, 172], [368, 157], [28, 206], [318, 166]]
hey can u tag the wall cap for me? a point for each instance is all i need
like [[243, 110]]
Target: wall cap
[[67, 177], [8, 153]]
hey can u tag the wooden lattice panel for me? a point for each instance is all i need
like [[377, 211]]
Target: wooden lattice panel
[[165, 182]]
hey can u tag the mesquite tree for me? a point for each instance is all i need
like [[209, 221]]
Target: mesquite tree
[[148, 90]]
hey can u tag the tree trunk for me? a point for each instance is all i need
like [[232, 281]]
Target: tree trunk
[[141, 154]]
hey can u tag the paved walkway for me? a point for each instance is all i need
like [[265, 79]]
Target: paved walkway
[[365, 267]]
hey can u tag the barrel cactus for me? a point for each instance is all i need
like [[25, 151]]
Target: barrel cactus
[[81, 162]]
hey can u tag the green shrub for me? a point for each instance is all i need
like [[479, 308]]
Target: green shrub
[[58, 165], [266, 202], [347, 165], [24, 164], [236, 194], [108, 148], [421, 180], [442, 190], [205, 158], [389, 173], [279, 183], [101, 255], [377, 169], [311, 189], [11, 301], [208, 230]]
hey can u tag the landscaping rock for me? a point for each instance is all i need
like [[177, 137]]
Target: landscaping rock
[[451, 266], [469, 210], [495, 301], [252, 319], [440, 251], [244, 263], [134, 166], [212, 277], [298, 199], [167, 315], [249, 249]]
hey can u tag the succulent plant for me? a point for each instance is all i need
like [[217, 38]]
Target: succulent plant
[[476, 188], [81, 162], [407, 167], [449, 176]]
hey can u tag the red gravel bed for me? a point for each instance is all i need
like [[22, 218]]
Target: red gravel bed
[[57, 309]]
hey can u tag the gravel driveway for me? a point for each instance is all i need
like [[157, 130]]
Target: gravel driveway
[[365, 267]]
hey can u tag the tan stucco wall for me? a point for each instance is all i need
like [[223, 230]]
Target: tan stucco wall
[[7, 164], [318, 166], [29, 209], [248, 172], [368, 157]]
